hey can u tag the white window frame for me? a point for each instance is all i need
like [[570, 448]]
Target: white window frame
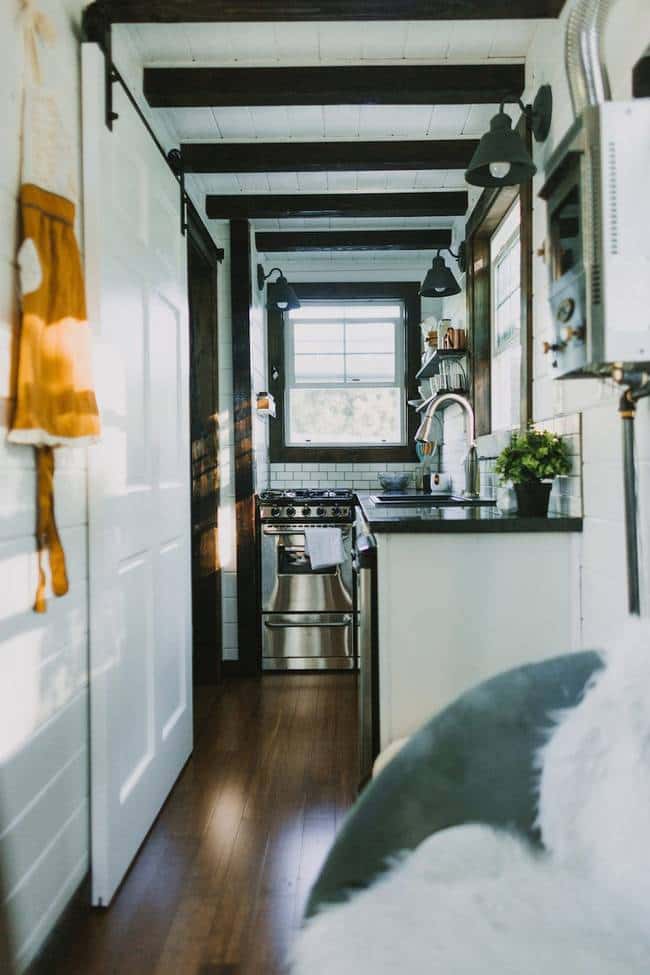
[[400, 377]]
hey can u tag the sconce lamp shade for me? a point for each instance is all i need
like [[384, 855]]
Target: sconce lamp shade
[[281, 295], [439, 281], [501, 158]]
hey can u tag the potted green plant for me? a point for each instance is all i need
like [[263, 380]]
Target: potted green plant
[[531, 461]]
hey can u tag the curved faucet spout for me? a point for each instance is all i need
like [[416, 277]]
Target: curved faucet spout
[[424, 435], [462, 401]]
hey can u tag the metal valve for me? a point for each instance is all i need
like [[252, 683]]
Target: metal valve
[[569, 333], [553, 347]]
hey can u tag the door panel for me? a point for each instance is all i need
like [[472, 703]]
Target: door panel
[[138, 482], [171, 626]]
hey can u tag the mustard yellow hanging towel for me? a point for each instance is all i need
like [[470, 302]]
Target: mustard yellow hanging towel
[[55, 400]]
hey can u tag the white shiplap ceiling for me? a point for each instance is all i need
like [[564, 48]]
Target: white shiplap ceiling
[[270, 44], [335, 43]]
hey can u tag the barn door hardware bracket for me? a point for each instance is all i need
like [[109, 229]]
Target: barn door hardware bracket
[[175, 160], [97, 26]]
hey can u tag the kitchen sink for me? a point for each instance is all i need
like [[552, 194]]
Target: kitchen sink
[[428, 500]]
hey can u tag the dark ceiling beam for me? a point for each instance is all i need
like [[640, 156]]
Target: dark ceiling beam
[[219, 11], [641, 78], [373, 84], [297, 241], [271, 207], [298, 157]]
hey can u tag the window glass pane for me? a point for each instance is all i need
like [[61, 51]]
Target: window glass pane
[[362, 310], [340, 352], [506, 323], [319, 368], [370, 368], [370, 337], [506, 386], [311, 312], [345, 416], [319, 339]]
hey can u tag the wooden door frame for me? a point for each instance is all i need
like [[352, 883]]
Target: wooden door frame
[[492, 206], [249, 662], [201, 243]]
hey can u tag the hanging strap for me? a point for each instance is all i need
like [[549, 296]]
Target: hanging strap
[[36, 26], [47, 535]]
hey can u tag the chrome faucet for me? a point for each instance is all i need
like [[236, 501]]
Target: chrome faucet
[[424, 435]]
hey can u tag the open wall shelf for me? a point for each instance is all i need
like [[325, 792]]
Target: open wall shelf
[[433, 364]]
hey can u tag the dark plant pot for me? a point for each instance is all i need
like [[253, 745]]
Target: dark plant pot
[[532, 498]]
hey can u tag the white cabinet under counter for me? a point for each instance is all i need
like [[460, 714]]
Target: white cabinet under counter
[[463, 594]]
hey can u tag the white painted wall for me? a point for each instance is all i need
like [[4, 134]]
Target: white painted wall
[[602, 558], [43, 666]]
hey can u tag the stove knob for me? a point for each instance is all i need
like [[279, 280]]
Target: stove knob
[[275, 512], [336, 511], [320, 512], [290, 512], [306, 512]]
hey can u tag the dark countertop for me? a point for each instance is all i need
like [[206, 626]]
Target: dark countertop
[[475, 518]]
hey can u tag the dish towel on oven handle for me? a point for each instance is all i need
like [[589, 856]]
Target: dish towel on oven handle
[[324, 546]]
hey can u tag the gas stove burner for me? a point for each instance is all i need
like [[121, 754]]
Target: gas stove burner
[[313, 494], [307, 505]]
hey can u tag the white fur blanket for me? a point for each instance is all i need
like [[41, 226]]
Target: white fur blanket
[[475, 901]]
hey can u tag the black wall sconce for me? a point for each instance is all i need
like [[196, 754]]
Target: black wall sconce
[[281, 296], [501, 158], [439, 281]]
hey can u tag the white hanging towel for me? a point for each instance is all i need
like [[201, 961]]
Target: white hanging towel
[[324, 546]]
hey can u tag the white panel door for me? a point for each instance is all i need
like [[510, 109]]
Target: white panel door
[[139, 488]]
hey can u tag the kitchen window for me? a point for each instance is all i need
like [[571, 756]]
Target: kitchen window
[[342, 367], [345, 374], [499, 304], [505, 261]]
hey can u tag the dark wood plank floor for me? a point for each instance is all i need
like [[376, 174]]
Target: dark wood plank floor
[[220, 885]]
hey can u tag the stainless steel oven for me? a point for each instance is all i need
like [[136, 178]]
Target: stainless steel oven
[[307, 614]]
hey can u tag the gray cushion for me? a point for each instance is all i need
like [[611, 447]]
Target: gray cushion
[[473, 762]]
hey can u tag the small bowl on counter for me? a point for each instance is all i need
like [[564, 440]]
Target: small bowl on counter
[[391, 481]]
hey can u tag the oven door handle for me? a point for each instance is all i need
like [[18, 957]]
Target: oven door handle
[[300, 529], [338, 624]]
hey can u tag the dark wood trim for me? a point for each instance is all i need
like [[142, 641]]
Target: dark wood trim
[[641, 78], [238, 11], [310, 157], [270, 207], [289, 242], [407, 84], [526, 241], [201, 237], [241, 299], [406, 291], [478, 314], [202, 233], [492, 206], [202, 268]]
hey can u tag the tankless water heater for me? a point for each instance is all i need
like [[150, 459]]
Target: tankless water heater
[[597, 191]]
